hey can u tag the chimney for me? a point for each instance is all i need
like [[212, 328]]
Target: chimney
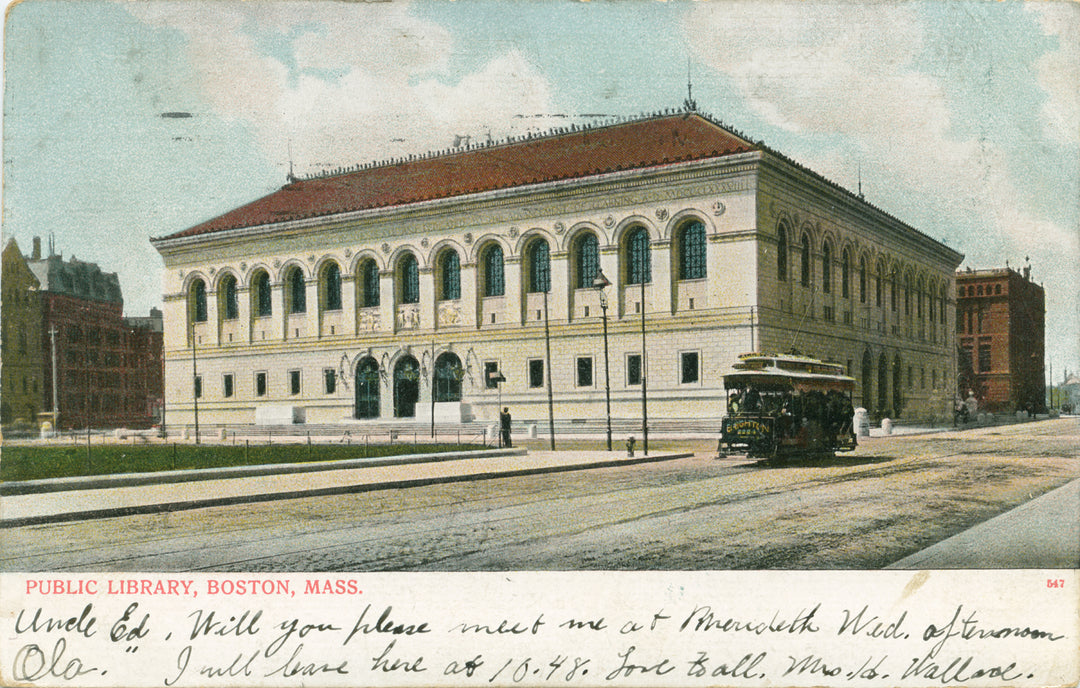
[[1027, 272], [36, 255]]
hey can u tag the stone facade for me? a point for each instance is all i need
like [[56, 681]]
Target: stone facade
[[262, 313]]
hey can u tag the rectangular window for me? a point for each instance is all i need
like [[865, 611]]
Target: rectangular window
[[536, 373], [227, 385], [584, 371], [260, 384], [633, 369], [688, 365], [294, 382], [329, 380], [491, 374], [984, 358], [198, 386]]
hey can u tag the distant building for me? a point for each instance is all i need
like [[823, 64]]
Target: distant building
[[108, 368], [1068, 393], [1000, 328], [403, 289], [20, 352]]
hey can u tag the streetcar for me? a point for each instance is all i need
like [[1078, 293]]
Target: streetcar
[[787, 406]]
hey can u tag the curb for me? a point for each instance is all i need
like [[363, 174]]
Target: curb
[[97, 482], [325, 491]]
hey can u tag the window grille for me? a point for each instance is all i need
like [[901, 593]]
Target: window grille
[[692, 252], [639, 263]]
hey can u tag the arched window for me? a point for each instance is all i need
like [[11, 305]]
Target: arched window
[[448, 374], [692, 251], [369, 281], [332, 287], [450, 268], [297, 291], [826, 268], [898, 379], [539, 261], [805, 260], [198, 301], [638, 260], [907, 295], [845, 274], [230, 303], [878, 296], [919, 299], [781, 253], [406, 385], [494, 277], [894, 284], [410, 279], [261, 290], [931, 301], [941, 314], [862, 279], [586, 260]]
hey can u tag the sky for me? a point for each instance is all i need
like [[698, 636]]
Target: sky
[[961, 118]]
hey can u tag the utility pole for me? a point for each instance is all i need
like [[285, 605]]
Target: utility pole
[[195, 381], [547, 366], [55, 403], [644, 368]]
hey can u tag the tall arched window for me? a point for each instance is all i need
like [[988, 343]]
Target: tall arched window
[[907, 295], [369, 280], [878, 296], [539, 261], [198, 301], [931, 302], [494, 278], [410, 279], [845, 274], [450, 269], [862, 279], [297, 291], [805, 260], [894, 284], [261, 293], [692, 251], [229, 301], [781, 253], [638, 260], [919, 288], [586, 260], [332, 287], [826, 268]]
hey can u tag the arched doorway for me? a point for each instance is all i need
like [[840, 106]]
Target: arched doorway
[[882, 385], [897, 392], [406, 387], [448, 373], [867, 377], [367, 389]]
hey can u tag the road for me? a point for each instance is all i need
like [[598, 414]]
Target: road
[[892, 497]]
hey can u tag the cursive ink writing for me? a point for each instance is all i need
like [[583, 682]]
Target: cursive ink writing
[[959, 671], [968, 628], [83, 623], [627, 668], [385, 625], [295, 667], [872, 627], [386, 664], [234, 626], [703, 619], [31, 664]]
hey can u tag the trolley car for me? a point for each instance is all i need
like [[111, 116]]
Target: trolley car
[[785, 406]]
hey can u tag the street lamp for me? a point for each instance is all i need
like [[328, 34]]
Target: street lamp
[[600, 283]]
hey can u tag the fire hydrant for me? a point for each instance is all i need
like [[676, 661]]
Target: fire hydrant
[[630, 441]]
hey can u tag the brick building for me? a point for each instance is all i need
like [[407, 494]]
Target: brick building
[[1000, 328], [108, 368], [391, 290], [20, 352]]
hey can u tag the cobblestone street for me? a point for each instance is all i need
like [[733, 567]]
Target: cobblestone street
[[890, 498]]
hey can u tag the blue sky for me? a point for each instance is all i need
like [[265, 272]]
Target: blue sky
[[962, 116]]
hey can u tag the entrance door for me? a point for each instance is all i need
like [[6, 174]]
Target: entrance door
[[406, 387], [367, 389]]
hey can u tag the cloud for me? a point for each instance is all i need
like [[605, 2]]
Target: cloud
[[340, 83], [1059, 70], [848, 70]]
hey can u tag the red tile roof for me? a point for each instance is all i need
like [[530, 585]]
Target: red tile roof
[[639, 144]]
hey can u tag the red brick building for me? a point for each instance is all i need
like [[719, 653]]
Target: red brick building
[[108, 368], [1000, 327]]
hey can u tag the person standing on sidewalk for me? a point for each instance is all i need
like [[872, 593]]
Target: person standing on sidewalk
[[504, 426]]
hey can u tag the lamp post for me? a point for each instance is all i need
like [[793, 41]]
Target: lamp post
[[644, 370], [600, 283]]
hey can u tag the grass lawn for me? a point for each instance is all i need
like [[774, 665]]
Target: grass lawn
[[27, 462]]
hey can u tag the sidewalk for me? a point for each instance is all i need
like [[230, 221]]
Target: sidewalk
[[1044, 530], [87, 498]]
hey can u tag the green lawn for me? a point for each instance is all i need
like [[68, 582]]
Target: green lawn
[[29, 462]]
